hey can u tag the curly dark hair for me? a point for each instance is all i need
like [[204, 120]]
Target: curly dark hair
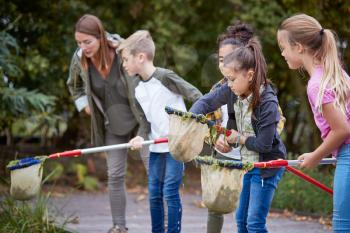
[[239, 31]]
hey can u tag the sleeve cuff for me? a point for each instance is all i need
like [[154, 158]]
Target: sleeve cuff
[[81, 103], [249, 143]]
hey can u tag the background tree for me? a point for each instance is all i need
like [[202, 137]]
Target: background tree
[[185, 33], [17, 103]]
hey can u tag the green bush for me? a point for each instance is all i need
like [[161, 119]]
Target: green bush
[[87, 182], [298, 195]]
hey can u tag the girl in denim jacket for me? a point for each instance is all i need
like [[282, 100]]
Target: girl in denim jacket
[[257, 115]]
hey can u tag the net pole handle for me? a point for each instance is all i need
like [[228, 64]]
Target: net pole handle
[[78, 152], [284, 163], [71, 153], [271, 164], [309, 179], [322, 162]]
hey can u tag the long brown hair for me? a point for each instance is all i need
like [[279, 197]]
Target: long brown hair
[[91, 25], [321, 44], [248, 57]]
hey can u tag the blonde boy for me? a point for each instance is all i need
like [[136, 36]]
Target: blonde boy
[[157, 88]]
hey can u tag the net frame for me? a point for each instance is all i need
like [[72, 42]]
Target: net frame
[[26, 177]]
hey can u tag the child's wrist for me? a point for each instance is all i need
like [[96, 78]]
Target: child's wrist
[[242, 140], [238, 140]]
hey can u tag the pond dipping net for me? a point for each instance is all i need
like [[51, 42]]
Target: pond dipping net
[[26, 176], [221, 182], [186, 136], [221, 179]]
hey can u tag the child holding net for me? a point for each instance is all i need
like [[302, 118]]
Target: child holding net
[[158, 88], [256, 111], [306, 44]]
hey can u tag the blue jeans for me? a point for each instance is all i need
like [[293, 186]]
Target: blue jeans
[[255, 200], [341, 203], [164, 180]]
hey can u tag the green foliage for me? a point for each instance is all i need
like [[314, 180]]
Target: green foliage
[[21, 103], [53, 171], [87, 182], [295, 194], [185, 33], [17, 103], [56, 172], [7, 61], [27, 217]]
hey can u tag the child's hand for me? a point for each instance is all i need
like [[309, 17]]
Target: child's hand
[[136, 143], [309, 160], [233, 137], [221, 145], [114, 44]]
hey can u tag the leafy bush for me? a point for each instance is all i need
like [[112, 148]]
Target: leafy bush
[[87, 182], [18, 102], [75, 174]]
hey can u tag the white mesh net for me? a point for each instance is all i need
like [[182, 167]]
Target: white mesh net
[[221, 187], [26, 182]]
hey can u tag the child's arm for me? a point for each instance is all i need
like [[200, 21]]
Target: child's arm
[[340, 131], [136, 142], [212, 100], [181, 87]]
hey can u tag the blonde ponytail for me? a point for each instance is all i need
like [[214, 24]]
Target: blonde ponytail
[[333, 77]]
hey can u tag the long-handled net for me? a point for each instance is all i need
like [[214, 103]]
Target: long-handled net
[[222, 179], [26, 174], [221, 187]]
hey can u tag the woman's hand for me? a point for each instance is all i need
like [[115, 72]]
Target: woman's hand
[[221, 145], [87, 110], [309, 160], [136, 143]]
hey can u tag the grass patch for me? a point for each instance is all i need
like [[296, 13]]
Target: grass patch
[[28, 217]]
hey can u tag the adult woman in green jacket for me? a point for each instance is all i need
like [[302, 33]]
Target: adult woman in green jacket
[[99, 86]]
